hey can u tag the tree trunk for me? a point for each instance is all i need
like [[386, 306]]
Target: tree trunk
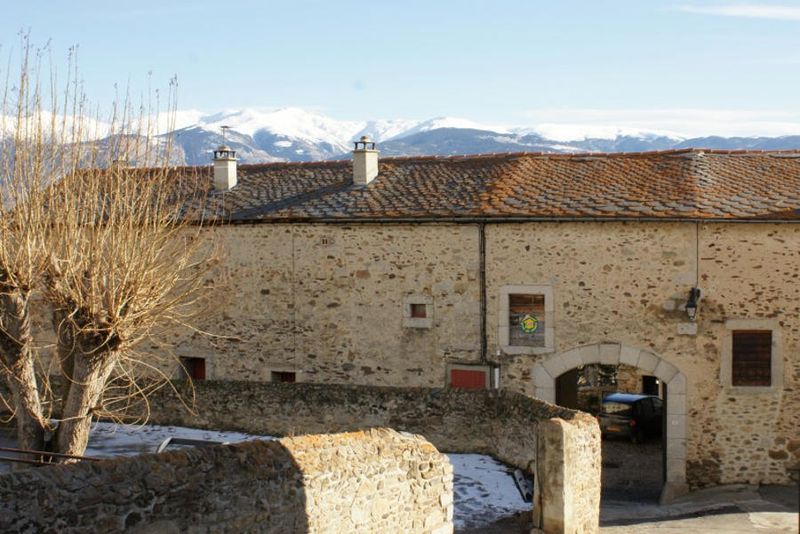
[[16, 351], [89, 375], [65, 351]]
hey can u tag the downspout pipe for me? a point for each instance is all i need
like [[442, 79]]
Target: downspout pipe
[[482, 283]]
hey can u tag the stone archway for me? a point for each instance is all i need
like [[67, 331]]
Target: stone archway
[[547, 370]]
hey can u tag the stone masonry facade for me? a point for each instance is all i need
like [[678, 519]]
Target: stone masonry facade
[[374, 481], [327, 302]]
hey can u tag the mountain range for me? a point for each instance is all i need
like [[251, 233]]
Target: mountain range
[[294, 134]]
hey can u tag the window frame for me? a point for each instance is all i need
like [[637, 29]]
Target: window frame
[[776, 355], [503, 332], [416, 308], [417, 322], [187, 368], [742, 368]]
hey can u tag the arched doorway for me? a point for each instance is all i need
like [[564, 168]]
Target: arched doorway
[[549, 369]]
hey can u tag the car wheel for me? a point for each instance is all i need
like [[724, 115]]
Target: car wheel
[[637, 437]]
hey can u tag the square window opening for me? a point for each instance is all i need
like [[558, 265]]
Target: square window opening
[[286, 377], [195, 368], [419, 311]]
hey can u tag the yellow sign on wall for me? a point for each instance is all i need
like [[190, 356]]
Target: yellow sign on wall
[[529, 323]]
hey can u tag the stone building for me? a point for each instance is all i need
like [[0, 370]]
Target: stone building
[[510, 270]]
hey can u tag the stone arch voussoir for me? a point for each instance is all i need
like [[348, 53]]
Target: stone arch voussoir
[[547, 370]]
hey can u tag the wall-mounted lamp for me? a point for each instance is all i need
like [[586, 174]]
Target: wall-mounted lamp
[[691, 304]]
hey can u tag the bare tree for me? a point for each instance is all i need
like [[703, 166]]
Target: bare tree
[[114, 251], [29, 153]]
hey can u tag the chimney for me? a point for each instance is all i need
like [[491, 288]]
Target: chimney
[[224, 168], [365, 161]]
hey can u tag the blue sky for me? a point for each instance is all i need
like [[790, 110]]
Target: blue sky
[[635, 63]]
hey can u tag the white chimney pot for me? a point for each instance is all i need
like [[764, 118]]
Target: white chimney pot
[[365, 161], [224, 168]]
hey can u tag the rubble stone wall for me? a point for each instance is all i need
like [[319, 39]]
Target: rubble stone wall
[[502, 423], [328, 302], [625, 283], [375, 481]]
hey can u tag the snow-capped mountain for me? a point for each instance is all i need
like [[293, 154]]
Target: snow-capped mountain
[[286, 134], [295, 134]]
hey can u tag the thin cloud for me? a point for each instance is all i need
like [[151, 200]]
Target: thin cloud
[[753, 11], [568, 124]]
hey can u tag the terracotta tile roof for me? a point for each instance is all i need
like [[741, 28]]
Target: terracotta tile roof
[[684, 184]]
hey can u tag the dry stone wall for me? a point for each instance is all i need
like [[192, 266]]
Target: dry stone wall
[[504, 424], [374, 481]]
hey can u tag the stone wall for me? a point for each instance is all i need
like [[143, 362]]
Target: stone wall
[[569, 455], [327, 302], [629, 379], [503, 424], [375, 481], [743, 435], [625, 283]]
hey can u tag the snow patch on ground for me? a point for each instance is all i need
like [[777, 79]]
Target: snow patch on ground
[[485, 491], [108, 439]]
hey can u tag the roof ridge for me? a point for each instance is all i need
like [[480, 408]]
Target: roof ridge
[[537, 154], [501, 155]]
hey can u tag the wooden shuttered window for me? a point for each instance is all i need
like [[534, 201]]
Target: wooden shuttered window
[[526, 320], [752, 358]]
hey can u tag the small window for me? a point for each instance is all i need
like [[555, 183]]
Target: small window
[[195, 368], [469, 378], [419, 311], [286, 377], [526, 321], [752, 358]]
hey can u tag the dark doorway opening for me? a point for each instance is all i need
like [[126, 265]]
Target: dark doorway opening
[[631, 410]]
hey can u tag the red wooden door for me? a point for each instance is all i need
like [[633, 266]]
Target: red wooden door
[[467, 379]]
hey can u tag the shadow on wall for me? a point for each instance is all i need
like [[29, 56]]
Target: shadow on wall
[[250, 486], [326, 483], [558, 446]]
